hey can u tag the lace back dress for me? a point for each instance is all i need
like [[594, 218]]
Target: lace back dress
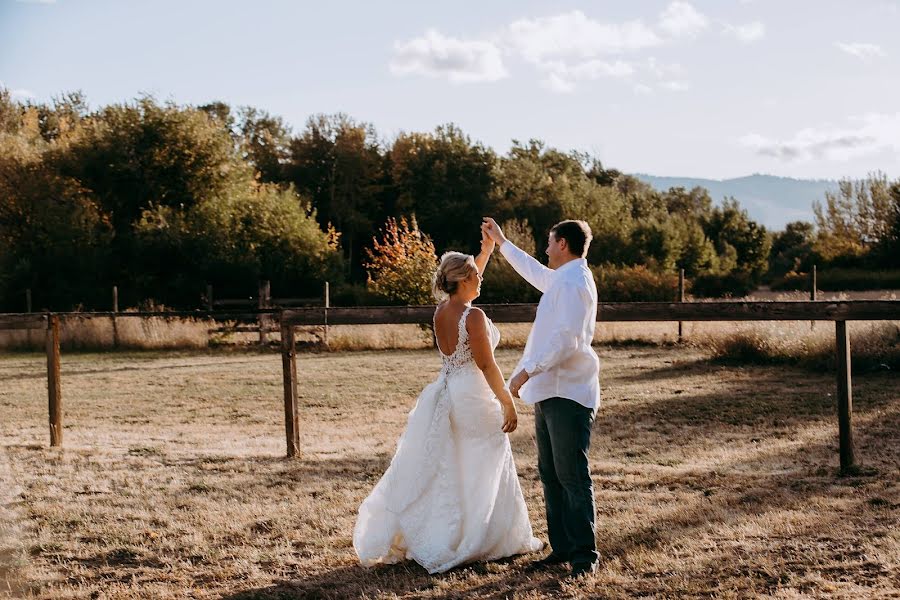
[[451, 494]]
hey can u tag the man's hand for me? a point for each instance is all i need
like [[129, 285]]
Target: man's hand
[[492, 230], [516, 383]]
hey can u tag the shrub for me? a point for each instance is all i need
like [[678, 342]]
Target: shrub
[[736, 284], [634, 284], [501, 282], [876, 346], [400, 266], [838, 280]]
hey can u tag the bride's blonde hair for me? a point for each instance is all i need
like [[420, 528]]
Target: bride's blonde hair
[[454, 267]]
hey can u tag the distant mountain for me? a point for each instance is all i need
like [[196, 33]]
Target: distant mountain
[[770, 200]]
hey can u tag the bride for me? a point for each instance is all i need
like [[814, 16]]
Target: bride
[[451, 494]]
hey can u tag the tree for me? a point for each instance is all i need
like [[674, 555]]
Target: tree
[[854, 220], [400, 266], [735, 236], [446, 181], [265, 232], [889, 246], [792, 249], [265, 143], [141, 155], [51, 230], [337, 163]]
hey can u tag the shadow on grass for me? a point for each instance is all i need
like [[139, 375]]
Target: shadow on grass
[[410, 580]]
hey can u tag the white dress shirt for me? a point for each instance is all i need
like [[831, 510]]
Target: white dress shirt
[[558, 356]]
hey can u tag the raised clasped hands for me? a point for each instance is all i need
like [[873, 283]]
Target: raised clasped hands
[[490, 228]]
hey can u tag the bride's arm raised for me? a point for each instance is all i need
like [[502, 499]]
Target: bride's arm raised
[[483, 355]]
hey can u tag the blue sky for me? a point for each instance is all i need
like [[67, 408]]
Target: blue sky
[[720, 89]]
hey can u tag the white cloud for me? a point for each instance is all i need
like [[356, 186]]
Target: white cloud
[[566, 49], [562, 77], [575, 36], [36, 1], [865, 135], [460, 61], [557, 83], [663, 70], [642, 89], [860, 49], [749, 32], [682, 19], [675, 86]]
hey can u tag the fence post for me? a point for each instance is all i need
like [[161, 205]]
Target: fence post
[[812, 291], [844, 397], [289, 374], [327, 306], [115, 309], [53, 384], [812, 284], [28, 310], [680, 299], [263, 302], [209, 297]]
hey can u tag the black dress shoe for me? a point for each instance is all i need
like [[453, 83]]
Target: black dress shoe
[[548, 562], [581, 569]]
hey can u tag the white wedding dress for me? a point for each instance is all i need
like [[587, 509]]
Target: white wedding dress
[[451, 494]]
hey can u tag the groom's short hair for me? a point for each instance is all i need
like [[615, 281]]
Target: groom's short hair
[[577, 234]]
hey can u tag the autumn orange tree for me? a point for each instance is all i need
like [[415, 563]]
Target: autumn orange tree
[[400, 265]]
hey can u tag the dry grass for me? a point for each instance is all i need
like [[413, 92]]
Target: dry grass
[[874, 345], [711, 480], [191, 334], [128, 333]]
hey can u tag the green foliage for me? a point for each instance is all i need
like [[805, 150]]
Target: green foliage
[[501, 283], [156, 199], [736, 284], [265, 143], [446, 181], [264, 233], [860, 222], [634, 284], [840, 279], [792, 249], [401, 264], [733, 233], [162, 199], [337, 163]]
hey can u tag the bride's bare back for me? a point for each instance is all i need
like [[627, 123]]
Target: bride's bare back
[[446, 326]]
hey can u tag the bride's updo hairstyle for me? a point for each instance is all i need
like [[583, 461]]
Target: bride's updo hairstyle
[[454, 267]]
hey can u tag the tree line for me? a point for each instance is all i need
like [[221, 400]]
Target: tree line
[[162, 199]]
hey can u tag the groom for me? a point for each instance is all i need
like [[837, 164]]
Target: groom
[[559, 375]]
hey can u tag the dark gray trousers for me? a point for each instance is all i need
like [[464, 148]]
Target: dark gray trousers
[[563, 432]]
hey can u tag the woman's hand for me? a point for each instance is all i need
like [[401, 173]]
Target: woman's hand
[[510, 417], [487, 243]]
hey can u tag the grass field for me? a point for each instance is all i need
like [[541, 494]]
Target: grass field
[[711, 480]]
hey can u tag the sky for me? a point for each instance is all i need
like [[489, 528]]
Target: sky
[[797, 88]]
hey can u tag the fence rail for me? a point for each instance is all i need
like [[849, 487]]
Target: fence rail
[[845, 310], [288, 319]]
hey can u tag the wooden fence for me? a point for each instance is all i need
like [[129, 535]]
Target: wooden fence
[[838, 311]]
